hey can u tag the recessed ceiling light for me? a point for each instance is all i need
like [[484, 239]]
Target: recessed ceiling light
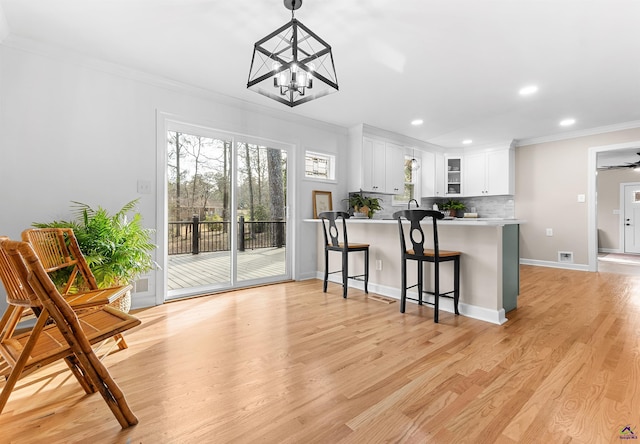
[[567, 122], [467, 141], [417, 122], [527, 90]]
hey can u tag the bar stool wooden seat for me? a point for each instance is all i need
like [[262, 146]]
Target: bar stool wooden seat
[[420, 254], [336, 239]]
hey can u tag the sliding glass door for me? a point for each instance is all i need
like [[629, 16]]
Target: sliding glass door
[[226, 212], [260, 208]]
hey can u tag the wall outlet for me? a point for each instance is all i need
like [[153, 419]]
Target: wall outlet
[[582, 198], [379, 264], [144, 186], [549, 231]]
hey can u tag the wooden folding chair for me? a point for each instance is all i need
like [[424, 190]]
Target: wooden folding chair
[[59, 331], [59, 252]]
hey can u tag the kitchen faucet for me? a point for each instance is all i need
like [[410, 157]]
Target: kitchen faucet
[[409, 204]]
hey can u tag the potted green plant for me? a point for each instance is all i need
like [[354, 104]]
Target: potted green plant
[[453, 206], [117, 247], [364, 205]]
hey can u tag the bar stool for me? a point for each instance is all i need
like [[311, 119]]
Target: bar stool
[[420, 254], [334, 242]]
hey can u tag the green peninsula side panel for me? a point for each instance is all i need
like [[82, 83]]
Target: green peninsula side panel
[[510, 266]]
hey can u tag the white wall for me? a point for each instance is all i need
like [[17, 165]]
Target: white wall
[[69, 131], [4, 26], [549, 178]]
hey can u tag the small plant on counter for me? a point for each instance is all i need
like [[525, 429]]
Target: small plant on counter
[[365, 205], [453, 206]]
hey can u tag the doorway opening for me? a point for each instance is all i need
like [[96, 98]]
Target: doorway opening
[[601, 207]]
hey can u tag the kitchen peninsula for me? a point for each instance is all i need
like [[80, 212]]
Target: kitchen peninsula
[[489, 268]]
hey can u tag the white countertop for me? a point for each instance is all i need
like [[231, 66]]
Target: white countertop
[[467, 221]]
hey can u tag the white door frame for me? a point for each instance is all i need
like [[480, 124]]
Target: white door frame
[[592, 212], [163, 123]]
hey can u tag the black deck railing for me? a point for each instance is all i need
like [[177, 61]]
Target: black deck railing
[[203, 237]]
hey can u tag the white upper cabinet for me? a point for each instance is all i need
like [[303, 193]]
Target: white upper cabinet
[[475, 183], [373, 165], [501, 178], [377, 166], [427, 173], [432, 174], [489, 173], [394, 169], [453, 175], [440, 174]]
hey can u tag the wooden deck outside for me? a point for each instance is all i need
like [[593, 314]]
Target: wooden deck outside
[[189, 270]]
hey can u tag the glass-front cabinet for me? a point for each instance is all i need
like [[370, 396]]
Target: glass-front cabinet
[[453, 185]]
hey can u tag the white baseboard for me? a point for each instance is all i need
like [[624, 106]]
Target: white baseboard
[[446, 304], [142, 300], [553, 264], [307, 276], [609, 250]]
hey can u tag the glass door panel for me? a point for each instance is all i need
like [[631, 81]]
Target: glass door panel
[[199, 201], [261, 213]]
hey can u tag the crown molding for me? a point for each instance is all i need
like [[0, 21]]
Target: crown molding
[[581, 133], [70, 57]]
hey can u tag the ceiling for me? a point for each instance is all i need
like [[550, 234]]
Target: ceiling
[[456, 64]]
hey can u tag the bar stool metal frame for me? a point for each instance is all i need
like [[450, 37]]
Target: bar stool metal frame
[[419, 253], [332, 242]]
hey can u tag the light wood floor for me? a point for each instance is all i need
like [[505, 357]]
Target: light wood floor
[[290, 364]]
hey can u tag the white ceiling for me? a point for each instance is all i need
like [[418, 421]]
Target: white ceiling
[[457, 64]]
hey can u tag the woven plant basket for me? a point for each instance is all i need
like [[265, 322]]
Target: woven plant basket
[[123, 304]]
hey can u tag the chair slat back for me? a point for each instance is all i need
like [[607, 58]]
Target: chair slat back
[[12, 274], [416, 233], [57, 249], [331, 230]]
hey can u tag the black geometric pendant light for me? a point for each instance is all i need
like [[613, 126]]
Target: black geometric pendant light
[[292, 64]]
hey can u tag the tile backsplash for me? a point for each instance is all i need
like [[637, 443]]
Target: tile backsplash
[[485, 206]]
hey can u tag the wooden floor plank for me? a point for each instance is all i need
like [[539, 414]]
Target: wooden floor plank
[[288, 363]]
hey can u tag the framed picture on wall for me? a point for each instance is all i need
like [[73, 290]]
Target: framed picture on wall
[[321, 202]]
